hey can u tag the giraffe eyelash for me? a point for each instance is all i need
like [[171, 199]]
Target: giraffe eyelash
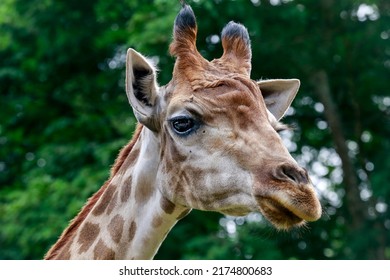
[[279, 127]]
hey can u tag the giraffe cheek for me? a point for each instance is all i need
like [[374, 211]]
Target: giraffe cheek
[[172, 187], [228, 192]]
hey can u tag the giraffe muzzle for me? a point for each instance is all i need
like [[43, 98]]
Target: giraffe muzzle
[[286, 196]]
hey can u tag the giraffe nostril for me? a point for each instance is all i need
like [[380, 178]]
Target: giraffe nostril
[[296, 174]]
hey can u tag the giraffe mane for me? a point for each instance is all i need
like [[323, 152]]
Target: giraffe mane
[[126, 151], [76, 222]]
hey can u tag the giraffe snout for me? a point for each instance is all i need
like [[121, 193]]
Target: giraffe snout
[[292, 173]]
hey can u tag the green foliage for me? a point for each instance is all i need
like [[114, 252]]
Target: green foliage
[[64, 116]]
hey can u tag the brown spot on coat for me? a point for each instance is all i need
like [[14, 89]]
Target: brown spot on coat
[[132, 230], [115, 228], [104, 200], [167, 206], [144, 190], [112, 203], [126, 189], [88, 234], [157, 221], [132, 158], [102, 252]]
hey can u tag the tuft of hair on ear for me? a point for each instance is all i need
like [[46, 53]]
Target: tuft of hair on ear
[[236, 41], [143, 79], [184, 31]]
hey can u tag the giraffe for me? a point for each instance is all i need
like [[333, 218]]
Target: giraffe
[[207, 140]]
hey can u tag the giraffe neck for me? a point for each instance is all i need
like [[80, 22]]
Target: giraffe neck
[[131, 218]]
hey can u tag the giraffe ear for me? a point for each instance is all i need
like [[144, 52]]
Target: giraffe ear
[[142, 88], [278, 94]]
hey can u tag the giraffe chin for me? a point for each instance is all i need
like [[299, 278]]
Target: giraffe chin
[[236, 212], [278, 214]]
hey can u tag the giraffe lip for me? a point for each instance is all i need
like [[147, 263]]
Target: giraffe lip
[[278, 214]]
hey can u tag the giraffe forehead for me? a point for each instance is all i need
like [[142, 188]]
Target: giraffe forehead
[[229, 97]]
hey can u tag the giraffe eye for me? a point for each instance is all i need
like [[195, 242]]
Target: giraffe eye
[[183, 125]]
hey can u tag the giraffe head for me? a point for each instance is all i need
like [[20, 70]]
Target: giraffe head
[[215, 131]]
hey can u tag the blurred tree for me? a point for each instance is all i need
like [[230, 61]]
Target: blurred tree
[[64, 116]]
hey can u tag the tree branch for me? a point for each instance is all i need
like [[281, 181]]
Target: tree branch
[[354, 205]]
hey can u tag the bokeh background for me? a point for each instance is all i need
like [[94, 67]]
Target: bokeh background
[[64, 116]]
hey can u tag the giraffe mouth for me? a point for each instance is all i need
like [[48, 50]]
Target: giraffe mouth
[[278, 214]]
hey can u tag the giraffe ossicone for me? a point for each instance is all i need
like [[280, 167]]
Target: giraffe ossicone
[[207, 140]]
